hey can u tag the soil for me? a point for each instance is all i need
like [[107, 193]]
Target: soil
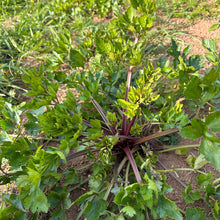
[[194, 34]]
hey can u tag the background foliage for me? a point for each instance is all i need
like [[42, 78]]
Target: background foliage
[[118, 103]]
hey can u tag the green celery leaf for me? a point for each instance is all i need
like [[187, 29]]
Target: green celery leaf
[[203, 180], [132, 108], [9, 213], [214, 27], [199, 125], [211, 151], [216, 210], [12, 112], [189, 196], [13, 199], [58, 215], [190, 133], [199, 162], [193, 90], [129, 211], [32, 127], [212, 57], [51, 178], [210, 45], [129, 14], [119, 197], [34, 176], [195, 214], [112, 119], [95, 208], [59, 122], [95, 182], [7, 124], [197, 61], [136, 57], [103, 46], [76, 59], [95, 132], [4, 137], [54, 199], [211, 77], [61, 77], [147, 194], [71, 176], [175, 49], [167, 208], [15, 211], [59, 195], [151, 185], [134, 3], [70, 101], [213, 121], [20, 216], [84, 197], [37, 201], [187, 51], [18, 152]]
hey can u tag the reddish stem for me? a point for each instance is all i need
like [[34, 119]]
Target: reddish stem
[[130, 125], [157, 135], [133, 164], [124, 123], [124, 117]]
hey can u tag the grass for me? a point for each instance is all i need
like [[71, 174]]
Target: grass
[[191, 10]]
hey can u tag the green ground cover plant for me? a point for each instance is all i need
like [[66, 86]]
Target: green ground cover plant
[[118, 107], [191, 10]]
